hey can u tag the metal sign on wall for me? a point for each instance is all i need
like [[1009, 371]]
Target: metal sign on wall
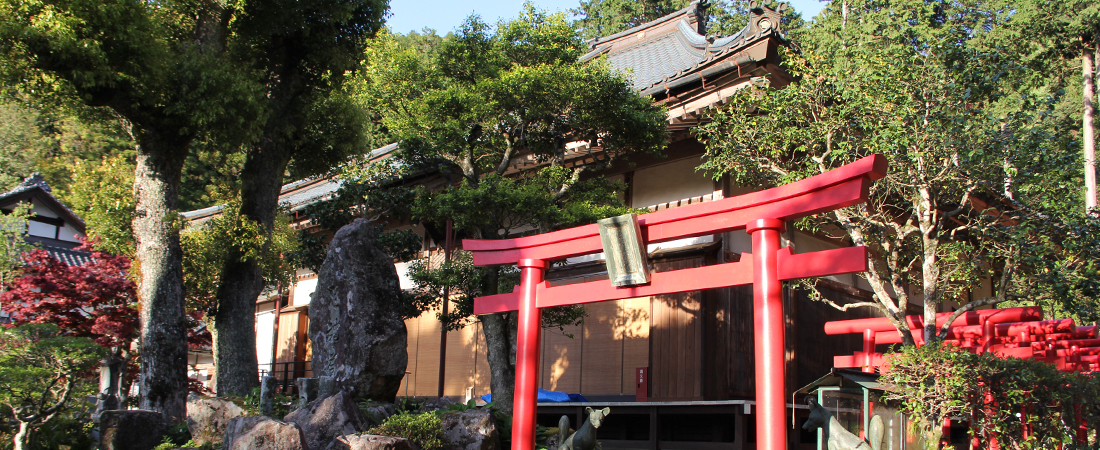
[[624, 251]]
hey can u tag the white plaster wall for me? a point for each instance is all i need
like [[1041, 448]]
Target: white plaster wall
[[403, 275], [265, 337], [42, 210], [67, 232], [41, 229], [668, 182], [302, 291]]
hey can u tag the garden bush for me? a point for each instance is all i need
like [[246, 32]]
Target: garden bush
[[424, 429]]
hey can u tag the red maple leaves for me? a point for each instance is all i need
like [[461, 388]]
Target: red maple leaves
[[95, 300]]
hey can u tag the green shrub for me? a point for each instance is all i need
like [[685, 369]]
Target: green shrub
[[250, 403], [936, 381], [424, 429]]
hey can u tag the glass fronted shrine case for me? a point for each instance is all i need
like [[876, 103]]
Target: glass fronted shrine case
[[855, 400]]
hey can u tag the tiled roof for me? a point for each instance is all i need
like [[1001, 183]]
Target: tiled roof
[[299, 194], [68, 256], [652, 60], [63, 251], [36, 182], [657, 53]]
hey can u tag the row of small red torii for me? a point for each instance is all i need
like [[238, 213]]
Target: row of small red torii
[[762, 214], [1009, 332]]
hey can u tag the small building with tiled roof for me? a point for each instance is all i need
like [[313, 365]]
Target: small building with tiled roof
[[53, 227]]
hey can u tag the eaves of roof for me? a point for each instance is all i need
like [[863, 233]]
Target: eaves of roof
[[40, 192], [668, 52], [301, 193]]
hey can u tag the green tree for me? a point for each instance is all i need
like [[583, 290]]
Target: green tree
[[969, 195], [1050, 38], [13, 226], [41, 375], [935, 382], [163, 69], [302, 52], [101, 193], [20, 144], [487, 97], [598, 18], [207, 246]]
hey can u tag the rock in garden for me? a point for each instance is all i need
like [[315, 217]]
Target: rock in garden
[[473, 429], [326, 419], [133, 429], [378, 412], [207, 418], [358, 336], [435, 404], [371, 442], [307, 391], [263, 433]]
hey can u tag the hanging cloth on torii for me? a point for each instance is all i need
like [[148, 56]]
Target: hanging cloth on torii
[[762, 214]]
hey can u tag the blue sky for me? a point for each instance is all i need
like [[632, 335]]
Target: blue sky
[[446, 15]]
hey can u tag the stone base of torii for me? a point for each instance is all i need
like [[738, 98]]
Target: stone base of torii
[[762, 214]]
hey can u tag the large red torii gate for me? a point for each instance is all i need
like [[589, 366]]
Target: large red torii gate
[[762, 214]]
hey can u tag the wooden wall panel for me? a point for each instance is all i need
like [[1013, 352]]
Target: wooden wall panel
[[482, 375], [812, 356], [676, 334], [412, 326], [426, 379], [561, 364], [634, 333], [461, 361], [466, 365], [602, 348]]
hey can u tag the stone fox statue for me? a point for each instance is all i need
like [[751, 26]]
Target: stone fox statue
[[840, 438], [585, 437]]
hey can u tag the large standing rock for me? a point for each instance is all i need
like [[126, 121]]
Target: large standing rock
[[326, 419], [207, 418], [473, 429], [263, 433], [371, 442], [355, 323], [133, 429]]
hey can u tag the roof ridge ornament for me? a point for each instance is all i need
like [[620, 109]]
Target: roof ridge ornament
[[765, 17], [35, 180]]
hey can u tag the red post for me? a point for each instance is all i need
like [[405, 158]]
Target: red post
[[767, 295], [527, 356], [869, 350]]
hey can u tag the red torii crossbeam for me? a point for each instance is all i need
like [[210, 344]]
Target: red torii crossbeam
[[762, 214]]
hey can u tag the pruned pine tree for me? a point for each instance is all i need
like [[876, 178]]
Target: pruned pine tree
[[489, 96]]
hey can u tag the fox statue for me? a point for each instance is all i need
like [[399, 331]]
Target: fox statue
[[585, 436], [838, 437]]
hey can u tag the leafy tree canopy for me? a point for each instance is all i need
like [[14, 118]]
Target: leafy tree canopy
[[13, 226], [42, 374], [975, 192]]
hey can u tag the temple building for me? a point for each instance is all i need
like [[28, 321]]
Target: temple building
[[689, 355]]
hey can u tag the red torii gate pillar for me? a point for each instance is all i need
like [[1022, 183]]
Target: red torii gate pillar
[[762, 214]]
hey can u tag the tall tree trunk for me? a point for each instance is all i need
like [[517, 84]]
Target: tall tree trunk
[[234, 329], [159, 261], [1088, 120], [500, 346]]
